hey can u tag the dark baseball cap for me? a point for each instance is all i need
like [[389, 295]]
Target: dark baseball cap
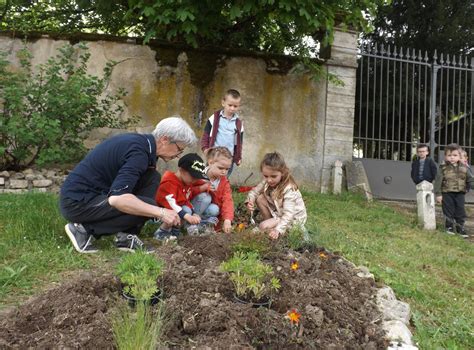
[[194, 165]]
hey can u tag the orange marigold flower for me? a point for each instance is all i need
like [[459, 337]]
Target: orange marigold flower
[[323, 256], [293, 316], [241, 226], [294, 265]]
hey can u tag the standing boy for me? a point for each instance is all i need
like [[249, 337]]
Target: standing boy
[[452, 182], [423, 168], [224, 128]]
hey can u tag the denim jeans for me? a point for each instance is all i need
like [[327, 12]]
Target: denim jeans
[[203, 206]]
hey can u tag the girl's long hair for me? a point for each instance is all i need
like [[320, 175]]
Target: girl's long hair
[[276, 162]]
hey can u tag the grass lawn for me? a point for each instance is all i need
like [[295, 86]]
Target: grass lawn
[[430, 271]]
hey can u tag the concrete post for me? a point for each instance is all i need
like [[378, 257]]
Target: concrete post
[[425, 203], [337, 177], [340, 103]]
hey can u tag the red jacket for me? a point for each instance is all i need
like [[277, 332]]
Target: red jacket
[[173, 193], [210, 132], [222, 197]]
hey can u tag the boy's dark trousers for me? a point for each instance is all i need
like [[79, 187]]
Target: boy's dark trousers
[[99, 218], [453, 209]]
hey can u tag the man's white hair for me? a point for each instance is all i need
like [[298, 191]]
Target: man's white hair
[[176, 129]]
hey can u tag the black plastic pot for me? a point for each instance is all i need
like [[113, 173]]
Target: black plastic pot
[[132, 301], [264, 302]]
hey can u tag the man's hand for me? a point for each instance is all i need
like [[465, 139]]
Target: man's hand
[[227, 226], [439, 199], [170, 217], [250, 206], [274, 234], [192, 219]]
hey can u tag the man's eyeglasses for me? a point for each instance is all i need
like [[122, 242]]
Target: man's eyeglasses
[[180, 150]]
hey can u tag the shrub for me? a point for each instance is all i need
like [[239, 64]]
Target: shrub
[[48, 110], [250, 242], [138, 273], [252, 278], [298, 238]]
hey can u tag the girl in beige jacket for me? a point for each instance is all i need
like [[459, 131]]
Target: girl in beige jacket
[[277, 197]]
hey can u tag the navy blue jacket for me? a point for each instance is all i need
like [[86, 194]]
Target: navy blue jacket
[[112, 168], [429, 170]]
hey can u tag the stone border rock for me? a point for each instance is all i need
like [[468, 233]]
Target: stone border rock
[[395, 314], [31, 180]]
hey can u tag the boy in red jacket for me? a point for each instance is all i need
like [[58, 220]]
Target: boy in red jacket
[[175, 192], [215, 196]]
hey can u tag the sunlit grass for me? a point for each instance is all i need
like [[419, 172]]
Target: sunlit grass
[[429, 270]]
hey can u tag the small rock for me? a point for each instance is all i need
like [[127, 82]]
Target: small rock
[[50, 173], [364, 272], [18, 176], [394, 310], [206, 303], [30, 177], [28, 171], [8, 190], [279, 268], [42, 183], [5, 174], [18, 183], [401, 346], [397, 331], [2, 181], [189, 324], [386, 293], [315, 313]]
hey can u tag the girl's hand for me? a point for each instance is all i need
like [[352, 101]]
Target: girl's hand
[[274, 234], [239, 162], [227, 226], [250, 206], [439, 199]]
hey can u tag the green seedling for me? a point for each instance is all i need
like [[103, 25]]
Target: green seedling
[[252, 279], [138, 273]]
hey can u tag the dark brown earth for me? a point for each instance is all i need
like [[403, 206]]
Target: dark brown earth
[[336, 306]]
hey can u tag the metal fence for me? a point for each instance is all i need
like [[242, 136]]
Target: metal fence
[[404, 97]]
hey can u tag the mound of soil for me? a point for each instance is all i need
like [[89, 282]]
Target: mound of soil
[[337, 307]]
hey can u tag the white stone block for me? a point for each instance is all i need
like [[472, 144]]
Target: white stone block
[[401, 346], [395, 310], [42, 183], [397, 331], [337, 177], [425, 202], [15, 183], [2, 181]]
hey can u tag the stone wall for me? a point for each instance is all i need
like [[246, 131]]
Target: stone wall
[[46, 180], [309, 122]]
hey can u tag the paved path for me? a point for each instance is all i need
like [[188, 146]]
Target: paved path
[[411, 206]]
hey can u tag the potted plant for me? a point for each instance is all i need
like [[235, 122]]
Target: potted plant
[[138, 274], [253, 280]]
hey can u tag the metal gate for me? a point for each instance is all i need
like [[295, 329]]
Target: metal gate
[[404, 97]]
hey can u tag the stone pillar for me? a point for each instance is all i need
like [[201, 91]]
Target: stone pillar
[[425, 203], [340, 102], [337, 177]]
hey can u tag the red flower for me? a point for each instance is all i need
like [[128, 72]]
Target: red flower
[[293, 316]]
